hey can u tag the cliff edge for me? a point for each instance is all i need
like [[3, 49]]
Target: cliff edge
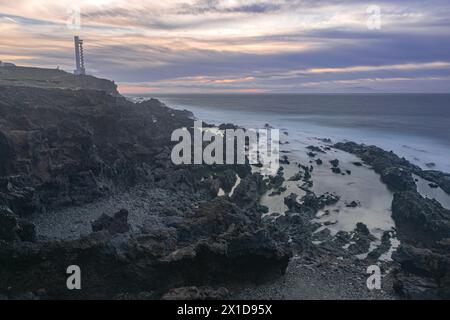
[[53, 78]]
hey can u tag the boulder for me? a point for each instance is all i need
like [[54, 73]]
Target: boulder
[[398, 179], [218, 245], [13, 228], [438, 178], [420, 219], [334, 163], [118, 223]]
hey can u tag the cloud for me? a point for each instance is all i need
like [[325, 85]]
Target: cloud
[[240, 45], [217, 6], [400, 67]]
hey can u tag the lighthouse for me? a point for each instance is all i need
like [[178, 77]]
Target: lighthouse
[[79, 56]]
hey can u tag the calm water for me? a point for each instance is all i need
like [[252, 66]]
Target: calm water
[[416, 126]]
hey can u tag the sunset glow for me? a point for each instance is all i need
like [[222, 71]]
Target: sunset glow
[[240, 45]]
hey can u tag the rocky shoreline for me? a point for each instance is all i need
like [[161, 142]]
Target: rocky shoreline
[[86, 179], [423, 225], [66, 149], [333, 266]]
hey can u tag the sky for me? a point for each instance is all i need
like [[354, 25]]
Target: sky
[[238, 46]]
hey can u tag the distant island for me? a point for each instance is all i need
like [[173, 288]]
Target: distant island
[[6, 64]]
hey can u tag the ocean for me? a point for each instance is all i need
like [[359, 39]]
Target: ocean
[[415, 126]]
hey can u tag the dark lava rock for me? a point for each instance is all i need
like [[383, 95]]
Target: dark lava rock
[[218, 244], [118, 223], [279, 191], [309, 203], [8, 227], [319, 162], [423, 227], [67, 148], [395, 172], [358, 164], [8, 224], [26, 231], [383, 247], [144, 295], [13, 228], [421, 223], [297, 177], [225, 126], [424, 273], [326, 199], [421, 261], [307, 173], [352, 204], [437, 177], [196, 293], [311, 154], [284, 160], [322, 235], [362, 229], [315, 149], [420, 218], [227, 179], [6, 154], [250, 189], [335, 163], [292, 203], [398, 179], [277, 180], [342, 238], [298, 227], [336, 170], [263, 209], [362, 238], [410, 286]]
